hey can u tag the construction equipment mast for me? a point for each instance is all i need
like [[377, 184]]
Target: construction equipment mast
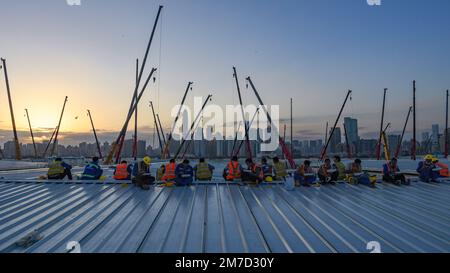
[[166, 152], [286, 151], [324, 151], [161, 144], [118, 144], [136, 114], [95, 135], [382, 125], [399, 145], [55, 141], [32, 134], [192, 126], [11, 110], [246, 126]]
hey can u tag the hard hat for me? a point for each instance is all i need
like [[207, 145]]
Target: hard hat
[[435, 159], [147, 160], [269, 179], [428, 157]]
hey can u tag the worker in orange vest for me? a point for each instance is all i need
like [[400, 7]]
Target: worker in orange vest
[[169, 173], [443, 172], [233, 170], [253, 173], [123, 171]]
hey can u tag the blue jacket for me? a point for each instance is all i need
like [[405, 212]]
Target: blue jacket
[[184, 175], [425, 168], [92, 171]]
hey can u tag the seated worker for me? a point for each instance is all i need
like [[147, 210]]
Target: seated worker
[[92, 171], [253, 172], [58, 170], [357, 174], [391, 173], [442, 168], [169, 172], [123, 171], [267, 170], [142, 176], [340, 167], [425, 170], [203, 171], [184, 174], [279, 169], [160, 172], [305, 176], [233, 170], [327, 174]]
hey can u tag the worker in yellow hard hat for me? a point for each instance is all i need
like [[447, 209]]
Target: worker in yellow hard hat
[[141, 172], [426, 170], [147, 160]]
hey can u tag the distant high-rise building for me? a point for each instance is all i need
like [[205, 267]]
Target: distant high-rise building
[[351, 125], [336, 139]]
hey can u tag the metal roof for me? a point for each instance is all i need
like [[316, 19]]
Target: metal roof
[[214, 218]]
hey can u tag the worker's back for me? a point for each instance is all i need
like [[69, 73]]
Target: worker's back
[[55, 168], [92, 171], [203, 171]]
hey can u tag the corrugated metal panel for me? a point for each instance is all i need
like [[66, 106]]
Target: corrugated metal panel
[[225, 218]]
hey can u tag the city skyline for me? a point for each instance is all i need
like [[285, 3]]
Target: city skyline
[[431, 141], [87, 53]]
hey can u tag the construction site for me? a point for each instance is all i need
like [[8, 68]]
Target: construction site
[[39, 214]]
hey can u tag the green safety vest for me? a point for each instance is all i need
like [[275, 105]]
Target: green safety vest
[[280, 169], [203, 171], [341, 168], [55, 168]]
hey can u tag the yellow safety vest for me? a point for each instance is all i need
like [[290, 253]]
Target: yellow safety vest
[[203, 171], [55, 168], [280, 169]]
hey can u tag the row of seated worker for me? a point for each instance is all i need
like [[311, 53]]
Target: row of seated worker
[[183, 174]]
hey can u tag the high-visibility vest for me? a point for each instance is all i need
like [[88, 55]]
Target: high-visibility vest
[[280, 169], [121, 172], [302, 170], [169, 174], [444, 172], [55, 168], [234, 171], [160, 174], [203, 171]]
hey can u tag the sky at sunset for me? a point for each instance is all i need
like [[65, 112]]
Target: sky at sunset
[[311, 50]]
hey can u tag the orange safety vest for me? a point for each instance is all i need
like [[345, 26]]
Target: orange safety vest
[[233, 170], [121, 172], [444, 172], [169, 174]]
